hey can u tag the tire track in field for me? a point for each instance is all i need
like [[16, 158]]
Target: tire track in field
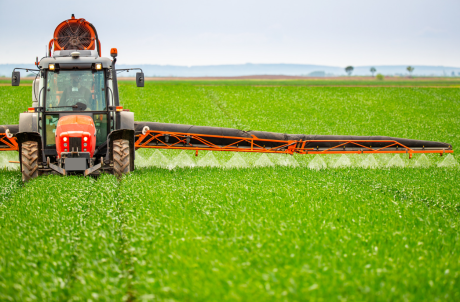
[[125, 250], [222, 106], [72, 276]]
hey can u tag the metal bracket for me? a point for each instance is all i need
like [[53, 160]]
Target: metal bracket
[[57, 169], [93, 169]]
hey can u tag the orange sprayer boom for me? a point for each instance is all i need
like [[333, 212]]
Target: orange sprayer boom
[[187, 137]]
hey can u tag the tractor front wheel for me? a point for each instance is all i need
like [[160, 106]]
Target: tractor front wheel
[[29, 160], [121, 157]]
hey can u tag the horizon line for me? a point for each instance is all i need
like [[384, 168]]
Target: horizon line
[[242, 64]]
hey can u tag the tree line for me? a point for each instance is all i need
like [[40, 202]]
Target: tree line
[[349, 70]]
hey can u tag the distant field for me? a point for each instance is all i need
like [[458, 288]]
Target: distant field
[[306, 81], [277, 231], [453, 82]]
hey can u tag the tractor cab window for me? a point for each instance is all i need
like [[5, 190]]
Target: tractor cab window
[[75, 90]]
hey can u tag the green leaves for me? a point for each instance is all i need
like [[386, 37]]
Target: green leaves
[[275, 230]]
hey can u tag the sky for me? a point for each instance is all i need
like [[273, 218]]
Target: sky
[[173, 32]]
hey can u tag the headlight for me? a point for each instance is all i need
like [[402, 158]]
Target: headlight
[[51, 67], [85, 144], [65, 144], [85, 139], [65, 138]]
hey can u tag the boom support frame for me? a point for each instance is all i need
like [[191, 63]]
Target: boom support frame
[[192, 141], [8, 143]]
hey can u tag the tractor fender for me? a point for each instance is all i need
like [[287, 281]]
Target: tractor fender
[[28, 122], [126, 134], [23, 137], [125, 120]]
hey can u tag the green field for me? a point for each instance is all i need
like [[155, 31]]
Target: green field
[[446, 82], [278, 228]]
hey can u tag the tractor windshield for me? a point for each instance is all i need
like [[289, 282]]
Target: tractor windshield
[[75, 90]]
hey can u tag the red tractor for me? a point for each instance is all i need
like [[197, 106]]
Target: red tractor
[[75, 123]]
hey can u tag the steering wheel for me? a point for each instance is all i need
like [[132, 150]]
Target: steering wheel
[[81, 103], [80, 107]]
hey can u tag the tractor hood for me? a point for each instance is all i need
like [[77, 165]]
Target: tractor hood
[[75, 133]]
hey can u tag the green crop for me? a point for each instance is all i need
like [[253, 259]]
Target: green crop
[[339, 81], [281, 232]]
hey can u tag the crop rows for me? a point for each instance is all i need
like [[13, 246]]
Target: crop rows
[[231, 235], [61, 240], [280, 232]]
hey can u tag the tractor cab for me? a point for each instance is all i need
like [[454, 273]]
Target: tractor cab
[[77, 107], [75, 90]]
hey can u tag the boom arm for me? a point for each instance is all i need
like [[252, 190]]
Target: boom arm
[[173, 136], [187, 137]]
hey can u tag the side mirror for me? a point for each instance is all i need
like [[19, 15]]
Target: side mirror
[[140, 79], [15, 78]]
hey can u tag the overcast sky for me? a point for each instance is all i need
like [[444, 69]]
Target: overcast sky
[[323, 32]]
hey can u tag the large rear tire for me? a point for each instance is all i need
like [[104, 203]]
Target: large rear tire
[[29, 159], [121, 157]]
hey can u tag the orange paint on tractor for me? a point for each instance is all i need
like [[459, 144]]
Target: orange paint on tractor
[[75, 126], [74, 34]]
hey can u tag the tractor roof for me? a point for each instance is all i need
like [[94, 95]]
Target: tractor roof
[[64, 58]]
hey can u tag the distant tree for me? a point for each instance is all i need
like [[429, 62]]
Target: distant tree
[[373, 70], [317, 74], [349, 70], [453, 73], [380, 77], [410, 69]]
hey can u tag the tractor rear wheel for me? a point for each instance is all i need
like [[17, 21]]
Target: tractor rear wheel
[[29, 159], [121, 157]]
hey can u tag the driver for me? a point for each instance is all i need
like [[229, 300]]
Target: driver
[[75, 93]]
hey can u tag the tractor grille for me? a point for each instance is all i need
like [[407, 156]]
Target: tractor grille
[[74, 144]]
